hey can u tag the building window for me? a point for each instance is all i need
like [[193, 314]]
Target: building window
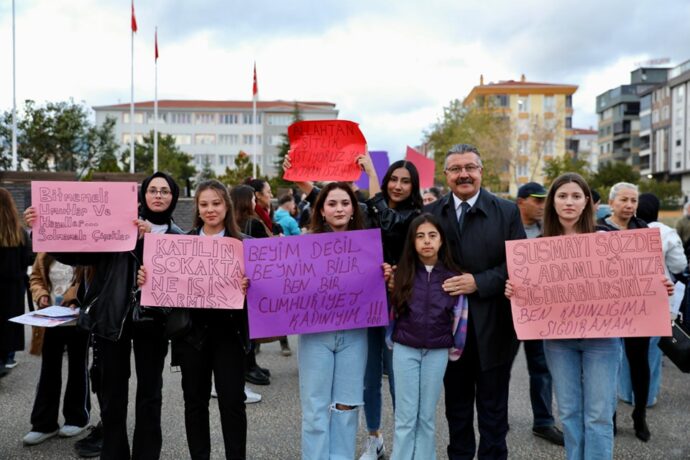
[[247, 139], [182, 139], [523, 147], [275, 140], [569, 101], [279, 120], [568, 122], [522, 170], [665, 113], [247, 118], [549, 104], [548, 148], [228, 118], [180, 118], [501, 100], [523, 104], [228, 139], [138, 117], [205, 139], [162, 117], [138, 138], [523, 126], [205, 118], [225, 160]]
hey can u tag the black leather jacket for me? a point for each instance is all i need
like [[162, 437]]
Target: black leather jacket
[[393, 223], [105, 305]]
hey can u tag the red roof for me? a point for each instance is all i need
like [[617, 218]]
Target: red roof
[[583, 131], [205, 104]]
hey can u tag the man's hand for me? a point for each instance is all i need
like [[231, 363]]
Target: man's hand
[[461, 284]]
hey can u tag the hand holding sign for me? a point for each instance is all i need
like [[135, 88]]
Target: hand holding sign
[[325, 150]]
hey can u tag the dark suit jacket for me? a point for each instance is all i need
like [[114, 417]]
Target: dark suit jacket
[[481, 251]]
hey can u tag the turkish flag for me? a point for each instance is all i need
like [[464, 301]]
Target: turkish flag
[[255, 89], [156, 45], [134, 19]]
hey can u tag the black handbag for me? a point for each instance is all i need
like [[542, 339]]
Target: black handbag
[[146, 316], [677, 347]]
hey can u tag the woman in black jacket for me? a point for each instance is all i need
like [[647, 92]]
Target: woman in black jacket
[[109, 313], [214, 344], [623, 200]]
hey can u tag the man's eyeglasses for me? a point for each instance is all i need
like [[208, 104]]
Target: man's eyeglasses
[[470, 169], [164, 192]]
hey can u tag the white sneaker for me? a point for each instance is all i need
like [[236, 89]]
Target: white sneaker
[[374, 449], [214, 393], [35, 437], [251, 397], [68, 431]]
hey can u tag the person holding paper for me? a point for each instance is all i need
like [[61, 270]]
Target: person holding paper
[[118, 326], [477, 225], [423, 335], [584, 371], [213, 345], [331, 364], [15, 258], [53, 283]]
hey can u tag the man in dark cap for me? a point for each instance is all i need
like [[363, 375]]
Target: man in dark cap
[[530, 201]]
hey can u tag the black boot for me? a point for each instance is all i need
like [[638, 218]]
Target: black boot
[[639, 417], [615, 427]]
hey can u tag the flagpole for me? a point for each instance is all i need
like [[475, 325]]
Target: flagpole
[[255, 96], [131, 104], [155, 111], [15, 162]]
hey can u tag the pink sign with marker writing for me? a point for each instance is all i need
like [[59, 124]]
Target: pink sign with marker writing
[[84, 216], [605, 284]]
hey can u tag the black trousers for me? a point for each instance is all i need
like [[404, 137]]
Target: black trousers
[[76, 407], [150, 348], [222, 356], [637, 352], [466, 385]]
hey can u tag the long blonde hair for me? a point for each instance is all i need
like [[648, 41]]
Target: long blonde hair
[[11, 233]]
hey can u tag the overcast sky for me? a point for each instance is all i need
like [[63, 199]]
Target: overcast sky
[[389, 65]]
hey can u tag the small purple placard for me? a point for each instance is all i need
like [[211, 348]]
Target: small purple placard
[[381, 164], [315, 283]]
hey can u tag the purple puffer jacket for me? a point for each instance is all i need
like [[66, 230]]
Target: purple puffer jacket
[[429, 320]]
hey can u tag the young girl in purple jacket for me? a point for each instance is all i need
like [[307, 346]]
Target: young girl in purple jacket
[[426, 318]]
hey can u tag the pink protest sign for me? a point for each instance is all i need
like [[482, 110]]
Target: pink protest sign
[[315, 283], [192, 271], [425, 167], [84, 216], [325, 150], [605, 284]]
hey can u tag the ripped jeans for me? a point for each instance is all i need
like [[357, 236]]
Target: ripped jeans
[[331, 384]]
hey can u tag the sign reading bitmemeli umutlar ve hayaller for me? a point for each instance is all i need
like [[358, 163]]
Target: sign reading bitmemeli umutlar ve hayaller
[[604, 284]]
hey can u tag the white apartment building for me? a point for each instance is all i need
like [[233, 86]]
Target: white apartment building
[[216, 131]]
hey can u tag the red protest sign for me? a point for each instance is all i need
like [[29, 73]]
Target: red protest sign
[[325, 150], [425, 167], [605, 284]]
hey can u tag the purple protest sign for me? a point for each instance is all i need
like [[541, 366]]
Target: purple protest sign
[[192, 271], [315, 283], [84, 216], [381, 164]]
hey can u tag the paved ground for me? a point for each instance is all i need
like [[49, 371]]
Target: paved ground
[[274, 424]]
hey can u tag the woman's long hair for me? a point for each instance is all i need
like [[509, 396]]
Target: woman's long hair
[[231, 228], [318, 223], [241, 196], [11, 233], [407, 267], [552, 225], [414, 201]]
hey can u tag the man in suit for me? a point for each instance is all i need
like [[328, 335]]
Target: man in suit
[[477, 224]]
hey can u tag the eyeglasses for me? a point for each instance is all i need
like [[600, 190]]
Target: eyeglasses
[[164, 192], [470, 169]]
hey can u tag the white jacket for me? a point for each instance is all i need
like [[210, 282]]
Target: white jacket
[[674, 260]]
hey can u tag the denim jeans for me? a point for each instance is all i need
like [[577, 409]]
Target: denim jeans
[[540, 392], [331, 372], [585, 378], [420, 379], [378, 357], [625, 390]]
